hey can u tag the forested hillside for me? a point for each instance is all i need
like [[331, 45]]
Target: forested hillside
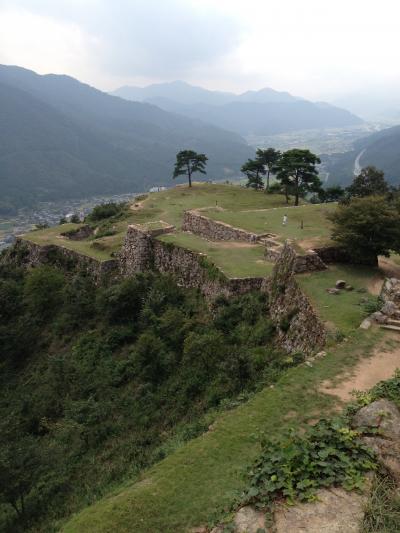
[[380, 149], [98, 383], [60, 138]]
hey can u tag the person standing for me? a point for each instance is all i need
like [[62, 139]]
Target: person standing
[[284, 220]]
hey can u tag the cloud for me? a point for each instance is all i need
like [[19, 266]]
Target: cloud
[[149, 38], [312, 48]]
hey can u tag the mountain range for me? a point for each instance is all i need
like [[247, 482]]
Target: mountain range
[[263, 112], [60, 138]]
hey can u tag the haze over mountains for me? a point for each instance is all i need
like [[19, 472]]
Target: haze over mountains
[[263, 112], [60, 138]]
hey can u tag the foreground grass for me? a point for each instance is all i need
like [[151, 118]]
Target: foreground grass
[[234, 259], [186, 488], [346, 310]]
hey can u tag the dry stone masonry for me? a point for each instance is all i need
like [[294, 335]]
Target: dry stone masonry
[[215, 230], [300, 329], [141, 252]]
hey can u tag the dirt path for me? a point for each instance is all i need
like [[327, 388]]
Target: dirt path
[[368, 372]]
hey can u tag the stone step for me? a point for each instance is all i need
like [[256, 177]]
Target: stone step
[[393, 322], [392, 328]]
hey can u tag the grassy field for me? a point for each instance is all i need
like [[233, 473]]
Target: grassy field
[[316, 226], [344, 311], [85, 247], [169, 207], [185, 489], [234, 259]]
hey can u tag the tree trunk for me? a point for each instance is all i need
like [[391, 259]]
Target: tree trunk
[[296, 201], [267, 180]]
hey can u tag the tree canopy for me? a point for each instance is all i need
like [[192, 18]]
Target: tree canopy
[[296, 170], [254, 170], [188, 162], [268, 158], [370, 181], [367, 227]]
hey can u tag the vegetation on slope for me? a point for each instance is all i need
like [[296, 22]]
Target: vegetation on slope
[[98, 383], [196, 484]]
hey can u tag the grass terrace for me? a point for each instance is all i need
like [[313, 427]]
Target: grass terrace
[[345, 311], [315, 231], [167, 207], [235, 259]]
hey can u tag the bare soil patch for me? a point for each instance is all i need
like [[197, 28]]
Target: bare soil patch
[[368, 372]]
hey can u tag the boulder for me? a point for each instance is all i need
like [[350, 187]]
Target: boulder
[[381, 414], [349, 288], [248, 520], [365, 324], [340, 284], [389, 308], [379, 317], [334, 511], [385, 416], [333, 291]]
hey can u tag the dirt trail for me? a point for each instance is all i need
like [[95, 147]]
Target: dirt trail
[[368, 372]]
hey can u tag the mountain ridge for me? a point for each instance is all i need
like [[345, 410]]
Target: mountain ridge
[[262, 112], [80, 141]]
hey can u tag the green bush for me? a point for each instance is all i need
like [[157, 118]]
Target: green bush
[[294, 467]]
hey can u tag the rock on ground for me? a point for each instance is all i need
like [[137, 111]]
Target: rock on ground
[[248, 520], [385, 416], [336, 511]]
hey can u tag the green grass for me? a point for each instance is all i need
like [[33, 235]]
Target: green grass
[[315, 223], [169, 207], [343, 311], [186, 488], [234, 259], [53, 236]]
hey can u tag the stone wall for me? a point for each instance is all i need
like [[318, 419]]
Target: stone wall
[[299, 327], [30, 254], [335, 254], [141, 252], [215, 230], [308, 262]]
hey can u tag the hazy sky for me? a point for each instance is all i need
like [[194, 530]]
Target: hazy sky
[[312, 48]]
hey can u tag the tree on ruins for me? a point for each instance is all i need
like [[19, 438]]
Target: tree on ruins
[[296, 170], [268, 158], [370, 181], [188, 162], [254, 170]]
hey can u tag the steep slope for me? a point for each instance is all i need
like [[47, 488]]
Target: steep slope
[[262, 112], [381, 149], [62, 138]]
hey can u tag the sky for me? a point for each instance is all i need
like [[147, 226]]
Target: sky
[[317, 49]]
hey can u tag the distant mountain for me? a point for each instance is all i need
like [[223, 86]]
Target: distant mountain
[[60, 138], [263, 112], [381, 149], [375, 105]]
